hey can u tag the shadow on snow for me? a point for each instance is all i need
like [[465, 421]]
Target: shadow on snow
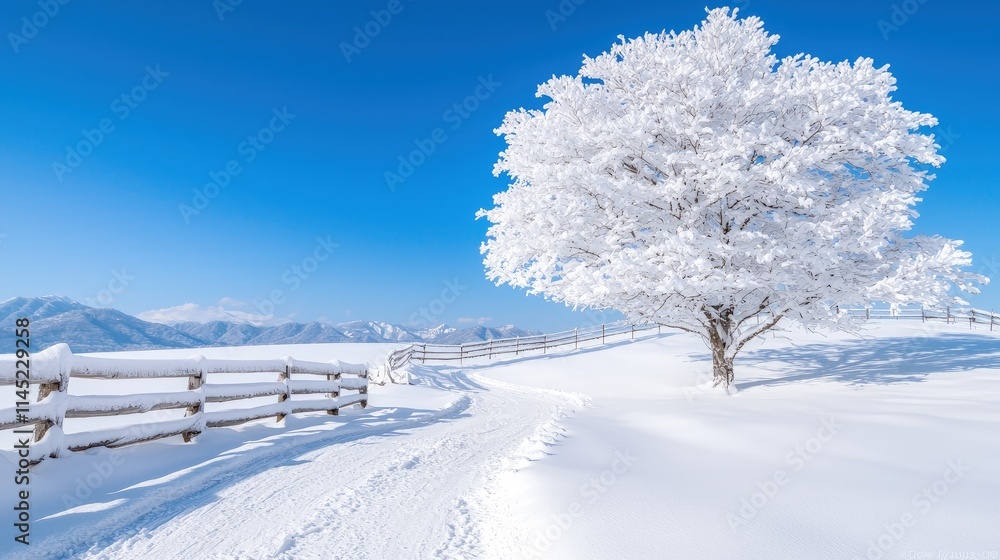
[[140, 501], [876, 360]]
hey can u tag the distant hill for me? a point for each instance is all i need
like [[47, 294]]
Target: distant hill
[[57, 319], [376, 331], [476, 334], [86, 329]]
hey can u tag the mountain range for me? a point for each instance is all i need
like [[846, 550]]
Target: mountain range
[[57, 319]]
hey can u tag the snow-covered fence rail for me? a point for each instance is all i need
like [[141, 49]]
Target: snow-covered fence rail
[[393, 371], [968, 315], [52, 369], [424, 352], [525, 344]]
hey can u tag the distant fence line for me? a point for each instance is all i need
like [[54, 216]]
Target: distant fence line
[[52, 369], [950, 314], [427, 351], [420, 351]]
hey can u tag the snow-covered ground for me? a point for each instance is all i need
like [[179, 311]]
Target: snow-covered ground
[[885, 446]]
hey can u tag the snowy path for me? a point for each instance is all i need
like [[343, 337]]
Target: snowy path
[[396, 492]]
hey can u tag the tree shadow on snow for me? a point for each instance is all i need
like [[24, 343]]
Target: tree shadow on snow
[[877, 360]]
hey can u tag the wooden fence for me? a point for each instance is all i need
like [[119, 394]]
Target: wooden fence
[[427, 351], [52, 369], [423, 352], [968, 315]]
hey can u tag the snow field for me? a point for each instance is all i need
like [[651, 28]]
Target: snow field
[[835, 447], [883, 446]]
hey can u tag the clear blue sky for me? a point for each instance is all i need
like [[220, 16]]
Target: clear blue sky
[[323, 174]]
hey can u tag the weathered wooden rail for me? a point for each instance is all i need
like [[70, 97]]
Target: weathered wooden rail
[[52, 369], [394, 370], [968, 315], [426, 351]]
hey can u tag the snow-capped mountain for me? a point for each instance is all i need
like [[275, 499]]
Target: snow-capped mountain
[[434, 333], [299, 333], [221, 332], [476, 334], [57, 319], [226, 333], [377, 331], [87, 329], [42, 306]]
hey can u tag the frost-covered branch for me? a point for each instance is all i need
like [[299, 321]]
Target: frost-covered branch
[[695, 180]]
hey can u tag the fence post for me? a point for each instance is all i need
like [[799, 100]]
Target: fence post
[[364, 391], [947, 317], [602, 334], [195, 382], [336, 394], [283, 376], [545, 344], [44, 390], [991, 320], [923, 318], [633, 331], [61, 386], [868, 313], [491, 348], [659, 328], [576, 336], [517, 345]]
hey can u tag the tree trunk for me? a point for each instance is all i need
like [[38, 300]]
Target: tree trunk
[[722, 367], [722, 364]]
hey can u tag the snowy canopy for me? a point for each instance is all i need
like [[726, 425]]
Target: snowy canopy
[[684, 177]]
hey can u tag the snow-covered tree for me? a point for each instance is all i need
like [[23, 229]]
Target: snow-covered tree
[[694, 180]]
